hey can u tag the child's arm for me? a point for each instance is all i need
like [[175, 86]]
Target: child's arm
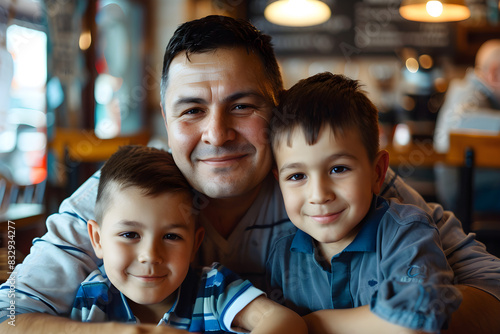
[[263, 315], [352, 321]]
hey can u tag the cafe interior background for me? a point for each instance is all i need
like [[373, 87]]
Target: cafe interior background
[[80, 78]]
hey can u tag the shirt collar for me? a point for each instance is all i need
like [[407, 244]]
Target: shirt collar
[[365, 241]]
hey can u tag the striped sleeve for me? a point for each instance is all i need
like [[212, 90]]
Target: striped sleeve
[[222, 295]]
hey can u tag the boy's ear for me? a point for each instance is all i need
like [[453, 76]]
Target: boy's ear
[[94, 231], [380, 168], [199, 234]]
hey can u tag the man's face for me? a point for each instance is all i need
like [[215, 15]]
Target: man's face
[[217, 109]]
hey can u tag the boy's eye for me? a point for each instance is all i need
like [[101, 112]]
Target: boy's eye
[[130, 235], [339, 169], [296, 177], [172, 236]]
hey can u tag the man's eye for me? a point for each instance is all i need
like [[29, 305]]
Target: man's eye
[[296, 177], [192, 112], [339, 169], [172, 236], [130, 235], [243, 109]]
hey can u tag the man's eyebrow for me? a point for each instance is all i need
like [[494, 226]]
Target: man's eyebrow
[[189, 100], [230, 98], [240, 95]]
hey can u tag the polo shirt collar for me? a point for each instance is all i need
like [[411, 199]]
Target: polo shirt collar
[[366, 239]]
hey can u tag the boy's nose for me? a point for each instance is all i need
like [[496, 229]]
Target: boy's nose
[[320, 191], [151, 253], [218, 129]]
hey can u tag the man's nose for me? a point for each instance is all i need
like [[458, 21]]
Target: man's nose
[[218, 128]]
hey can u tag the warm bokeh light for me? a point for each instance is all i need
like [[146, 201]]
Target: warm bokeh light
[[408, 103], [441, 85], [434, 8], [85, 40], [434, 11], [425, 61], [297, 13], [412, 65]]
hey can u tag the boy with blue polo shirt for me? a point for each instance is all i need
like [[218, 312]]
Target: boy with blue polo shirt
[[146, 233], [353, 248]]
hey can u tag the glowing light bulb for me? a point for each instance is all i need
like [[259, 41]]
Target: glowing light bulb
[[434, 8]]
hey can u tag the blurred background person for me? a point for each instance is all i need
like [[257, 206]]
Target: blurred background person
[[471, 103]]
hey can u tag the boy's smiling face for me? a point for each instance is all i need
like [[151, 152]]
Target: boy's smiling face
[[147, 243], [328, 187]]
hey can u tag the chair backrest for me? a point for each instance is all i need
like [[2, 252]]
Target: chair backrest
[[13, 193], [486, 148], [470, 149]]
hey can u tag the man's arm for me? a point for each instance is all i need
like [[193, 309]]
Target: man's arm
[[351, 321], [477, 272], [48, 278], [35, 323], [479, 306], [468, 258], [476, 304], [263, 315]]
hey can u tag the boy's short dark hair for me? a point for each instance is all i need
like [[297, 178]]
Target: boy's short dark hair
[[326, 99], [214, 32], [149, 169]]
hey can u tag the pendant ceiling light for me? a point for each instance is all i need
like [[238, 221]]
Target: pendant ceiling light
[[434, 11], [297, 13]]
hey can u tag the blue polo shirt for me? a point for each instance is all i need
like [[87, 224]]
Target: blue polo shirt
[[395, 264], [206, 302]]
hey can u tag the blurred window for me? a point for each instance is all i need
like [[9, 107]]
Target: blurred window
[[23, 136]]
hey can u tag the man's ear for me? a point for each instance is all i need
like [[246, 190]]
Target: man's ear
[[275, 173], [199, 234], [163, 114], [379, 169], [164, 119], [94, 231]]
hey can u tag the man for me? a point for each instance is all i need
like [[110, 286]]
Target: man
[[220, 81], [471, 102]]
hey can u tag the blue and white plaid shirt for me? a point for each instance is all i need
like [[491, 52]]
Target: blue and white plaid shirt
[[205, 303]]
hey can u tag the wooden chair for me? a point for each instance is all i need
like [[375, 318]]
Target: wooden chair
[[470, 150], [21, 207], [79, 152]]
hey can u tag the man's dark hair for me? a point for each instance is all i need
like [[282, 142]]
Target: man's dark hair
[[149, 169], [326, 99], [214, 32]]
